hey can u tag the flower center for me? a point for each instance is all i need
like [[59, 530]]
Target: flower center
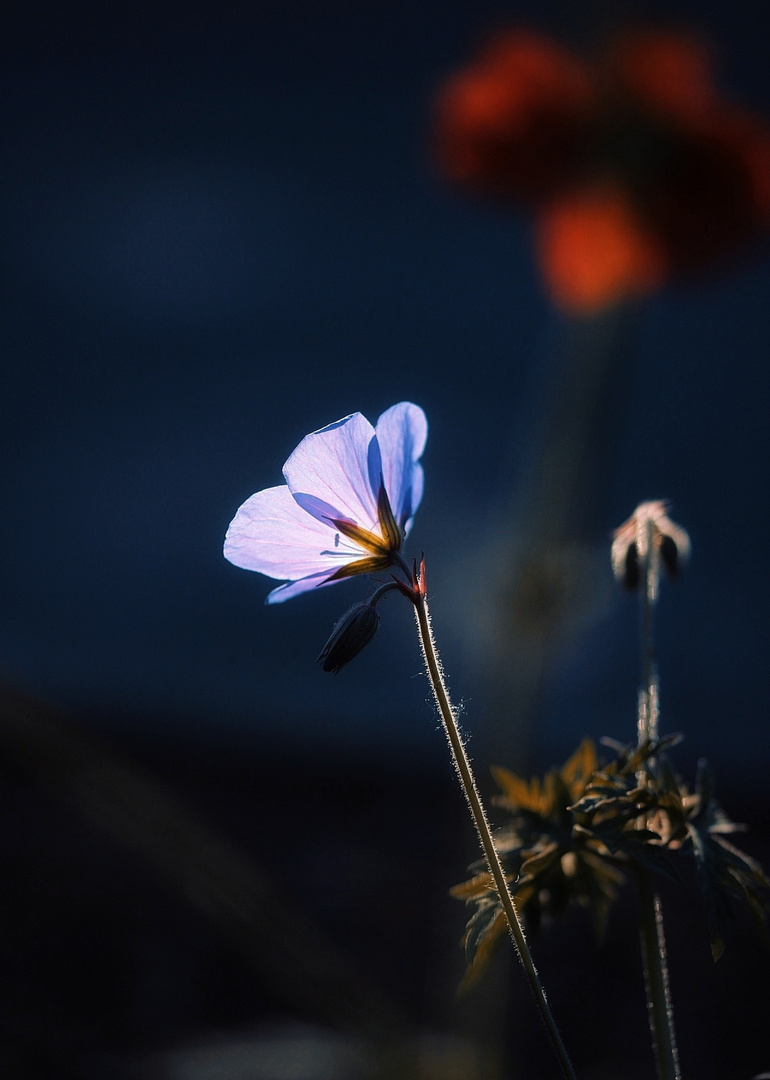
[[381, 547]]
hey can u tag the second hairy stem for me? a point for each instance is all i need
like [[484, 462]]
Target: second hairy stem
[[656, 979], [659, 1005], [468, 783]]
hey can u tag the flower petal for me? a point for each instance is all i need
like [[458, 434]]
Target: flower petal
[[295, 588], [594, 250], [330, 473], [273, 535], [402, 432]]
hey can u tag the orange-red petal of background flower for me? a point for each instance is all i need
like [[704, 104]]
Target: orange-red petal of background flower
[[710, 190], [668, 71], [593, 251], [512, 123]]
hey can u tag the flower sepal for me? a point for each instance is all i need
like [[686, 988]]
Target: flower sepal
[[416, 590]]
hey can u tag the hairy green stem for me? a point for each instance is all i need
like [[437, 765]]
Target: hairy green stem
[[659, 1005], [465, 774], [648, 710], [660, 1009]]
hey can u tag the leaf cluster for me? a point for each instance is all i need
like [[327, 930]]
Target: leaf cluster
[[572, 837]]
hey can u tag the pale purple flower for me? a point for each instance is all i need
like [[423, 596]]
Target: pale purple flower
[[350, 496]]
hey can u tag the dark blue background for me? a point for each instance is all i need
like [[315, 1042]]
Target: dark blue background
[[222, 230]]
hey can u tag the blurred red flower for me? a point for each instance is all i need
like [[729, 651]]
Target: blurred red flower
[[635, 167]]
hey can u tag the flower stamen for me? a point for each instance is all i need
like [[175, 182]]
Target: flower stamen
[[390, 528]]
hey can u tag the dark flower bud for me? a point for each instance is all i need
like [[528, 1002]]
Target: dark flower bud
[[628, 569], [351, 634], [669, 555], [648, 539]]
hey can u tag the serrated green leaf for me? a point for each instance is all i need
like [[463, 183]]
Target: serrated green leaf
[[540, 861], [475, 888], [656, 859], [480, 924], [709, 880], [485, 948], [517, 792]]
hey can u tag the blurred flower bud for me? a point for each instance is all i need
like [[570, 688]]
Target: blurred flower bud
[[351, 634], [649, 534]]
